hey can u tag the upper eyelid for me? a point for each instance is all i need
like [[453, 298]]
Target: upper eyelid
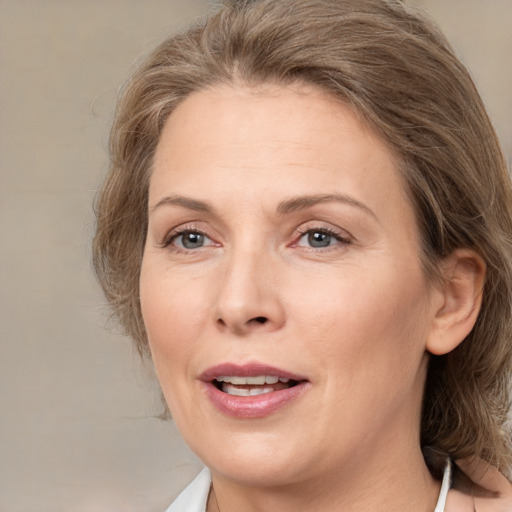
[[340, 240], [306, 227], [183, 212], [173, 233], [326, 229]]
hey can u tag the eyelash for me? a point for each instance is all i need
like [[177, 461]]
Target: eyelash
[[176, 233], [169, 240], [303, 231]]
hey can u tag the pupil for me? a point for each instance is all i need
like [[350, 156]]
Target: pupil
[[193, 240], [319, 239]]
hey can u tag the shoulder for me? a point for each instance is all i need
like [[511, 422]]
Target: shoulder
[[479, 486], [194, 497]]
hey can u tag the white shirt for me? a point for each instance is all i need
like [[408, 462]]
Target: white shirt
[[195, 495]]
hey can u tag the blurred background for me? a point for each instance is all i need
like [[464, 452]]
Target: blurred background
[[78, 426]]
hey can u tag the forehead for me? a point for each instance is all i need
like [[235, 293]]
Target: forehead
[[287, 139]]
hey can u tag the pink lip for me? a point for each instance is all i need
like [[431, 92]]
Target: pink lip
[[257, 406]]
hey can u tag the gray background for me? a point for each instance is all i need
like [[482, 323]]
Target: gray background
[[77, 408]]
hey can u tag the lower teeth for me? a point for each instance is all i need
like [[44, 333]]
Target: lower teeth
[[232, 390]]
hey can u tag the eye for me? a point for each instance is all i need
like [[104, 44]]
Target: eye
[[320, 239], [189, 240]]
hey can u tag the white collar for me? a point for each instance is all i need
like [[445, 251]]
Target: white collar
[[445, 487], [195, 496]]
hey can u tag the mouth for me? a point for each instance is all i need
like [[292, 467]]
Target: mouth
[[252, 386], [252, 390]]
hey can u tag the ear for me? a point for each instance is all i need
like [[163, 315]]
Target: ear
[[460, 300]]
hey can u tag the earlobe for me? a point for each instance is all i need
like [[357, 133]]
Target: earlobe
[[461, 297]]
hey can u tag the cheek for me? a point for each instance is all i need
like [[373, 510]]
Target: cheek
[[368, 323], [174, 314], [369, 343]]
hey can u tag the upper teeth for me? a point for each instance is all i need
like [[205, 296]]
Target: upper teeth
[[254, 381]]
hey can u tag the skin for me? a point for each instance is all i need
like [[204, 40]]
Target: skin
[[356, 317]]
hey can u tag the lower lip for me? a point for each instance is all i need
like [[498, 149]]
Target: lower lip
[[257, 406]]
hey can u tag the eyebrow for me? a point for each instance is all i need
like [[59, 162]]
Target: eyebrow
[[185, 202], [304, 202], [285, 207]]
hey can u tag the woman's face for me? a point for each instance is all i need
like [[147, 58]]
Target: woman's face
[[281, 286]]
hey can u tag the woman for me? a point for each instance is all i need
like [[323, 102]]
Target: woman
[[307, 226]]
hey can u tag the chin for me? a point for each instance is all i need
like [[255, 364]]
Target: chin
[[253, 461]]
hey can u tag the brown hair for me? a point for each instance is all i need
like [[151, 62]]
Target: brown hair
[[395, 69]]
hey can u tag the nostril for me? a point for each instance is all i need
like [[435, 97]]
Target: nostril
[[241, 325]]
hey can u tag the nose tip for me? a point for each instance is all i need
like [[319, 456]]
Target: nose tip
[[248, 298]]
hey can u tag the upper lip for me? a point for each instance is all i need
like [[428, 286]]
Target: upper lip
[[247, 370]]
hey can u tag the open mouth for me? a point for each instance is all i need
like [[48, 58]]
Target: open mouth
[[252, 390], [252, 386]]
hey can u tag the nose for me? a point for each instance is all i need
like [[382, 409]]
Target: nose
[[249, 296]]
